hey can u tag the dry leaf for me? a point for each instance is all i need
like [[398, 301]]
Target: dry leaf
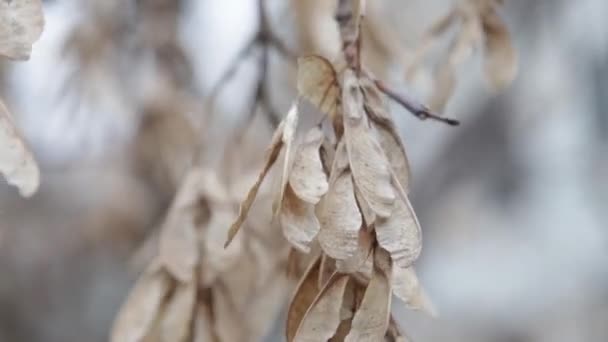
[[368, 162], [407, 288], [139, 311], [17, 163], [340, 219], [271, 157], [371, 319], [500, 60], [175, 323], [323, 317], [317, 82], [178, 247], [21, 24], [400, 234], [307, 178]]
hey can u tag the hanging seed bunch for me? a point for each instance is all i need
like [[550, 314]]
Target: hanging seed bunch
[[478, 24], [21, 24], [343, 199], [194, 290]]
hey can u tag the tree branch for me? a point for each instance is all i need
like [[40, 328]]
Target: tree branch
[[419, 110]]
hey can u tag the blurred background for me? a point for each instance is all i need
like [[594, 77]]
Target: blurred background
[[115, 98]]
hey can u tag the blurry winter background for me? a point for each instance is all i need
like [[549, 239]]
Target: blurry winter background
[[513, 203]]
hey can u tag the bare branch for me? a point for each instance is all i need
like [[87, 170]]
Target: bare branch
[[265, 39], [419, 110]]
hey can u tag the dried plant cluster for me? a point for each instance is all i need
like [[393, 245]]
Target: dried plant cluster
[[343, 196], [343, 199], [477, 24], [339, 231], [194, 289], [21, 24]]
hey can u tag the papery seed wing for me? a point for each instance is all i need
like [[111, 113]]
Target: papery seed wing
[[445, 83], [304, 295], [400, 234], [387, 133], [288, 137], [227, 321], [178, 246], [138, 313], [394, 334], [264, 309], [355, 262], [271, 157], [326, 270], [318, 83], [178, 314], [17, 163], [203, 327], [428, 41], [369, 165], [500, 59], [352, 299], [21, 24], [298, 220], [217, 258], [408, 289], [307, 177], [460, 50], [323, 317], [372, 317], [340, 219]]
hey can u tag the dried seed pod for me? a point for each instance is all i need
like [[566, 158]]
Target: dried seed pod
[[298, 220], [358, 259], [340, 219], [271, 157], [371, 320], [304, 295], [137, 315], [318, 83], [203, 325], [500, 57], [17, 163], [305, 184], [307, 178], [178, 239], [21, 24], [387, 133], [323, 317], [407, 288], [400, 234], [178, 313], [369, 165], [479, 24]]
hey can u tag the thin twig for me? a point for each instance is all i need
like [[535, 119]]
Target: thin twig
[[419, 110], [266, 39]]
